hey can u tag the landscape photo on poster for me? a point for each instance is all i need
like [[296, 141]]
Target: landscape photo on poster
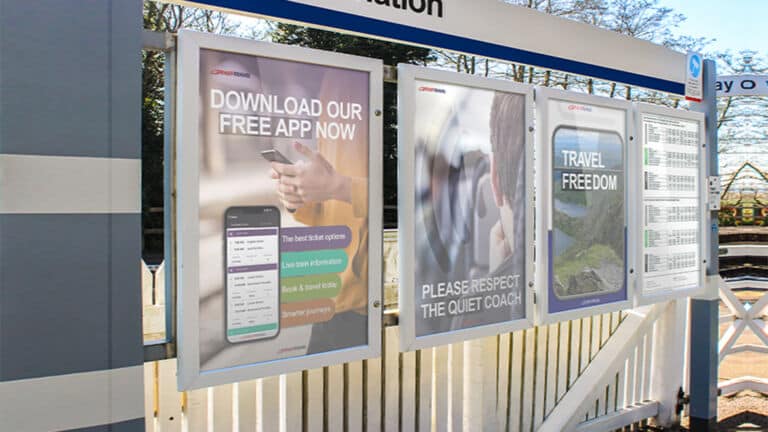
[[588, 237]]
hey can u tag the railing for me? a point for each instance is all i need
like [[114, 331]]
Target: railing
[[742, 316], [599, 373]]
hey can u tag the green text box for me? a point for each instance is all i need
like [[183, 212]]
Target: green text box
[[254, 329], [294, 264]]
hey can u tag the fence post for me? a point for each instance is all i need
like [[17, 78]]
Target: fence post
[[668, 360], [473, 385], [169, 197], [704, 310]]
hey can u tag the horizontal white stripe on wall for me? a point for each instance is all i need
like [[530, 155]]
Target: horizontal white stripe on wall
[[72, 401], [31, 184]]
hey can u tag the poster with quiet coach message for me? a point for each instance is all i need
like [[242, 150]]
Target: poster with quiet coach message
[[465, 212]]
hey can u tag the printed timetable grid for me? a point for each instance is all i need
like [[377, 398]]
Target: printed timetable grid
[[670, 204]]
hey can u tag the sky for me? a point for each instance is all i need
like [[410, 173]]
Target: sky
[[736, 24]]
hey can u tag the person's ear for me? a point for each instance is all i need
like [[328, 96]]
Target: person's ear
[[498, 195]]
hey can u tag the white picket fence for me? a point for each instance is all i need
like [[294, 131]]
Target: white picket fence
[[601, 373]]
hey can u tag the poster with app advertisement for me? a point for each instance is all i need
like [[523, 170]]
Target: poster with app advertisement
[[278, 209], [584, 267], [465, 210]]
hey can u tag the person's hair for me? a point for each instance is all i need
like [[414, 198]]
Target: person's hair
[[508, 143]]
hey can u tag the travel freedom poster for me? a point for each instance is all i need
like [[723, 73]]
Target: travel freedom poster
[[469, 219], [587, 251], [283, 209]]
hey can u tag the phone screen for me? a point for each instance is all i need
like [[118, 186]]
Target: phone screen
[[275, 156], [252, 272]]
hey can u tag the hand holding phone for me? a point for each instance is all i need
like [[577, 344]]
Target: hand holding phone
[[273, 155], [312, 180]]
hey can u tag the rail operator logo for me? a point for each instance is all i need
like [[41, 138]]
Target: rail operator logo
[[230, 73], [583, 108], [432, 90]]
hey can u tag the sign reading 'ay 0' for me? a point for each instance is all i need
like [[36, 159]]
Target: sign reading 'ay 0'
[[741, 85]]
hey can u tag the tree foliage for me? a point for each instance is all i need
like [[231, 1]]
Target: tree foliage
[[162, 17], [389, 52], [743, 123]]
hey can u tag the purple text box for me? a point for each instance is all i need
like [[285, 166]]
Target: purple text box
[[253, 268], [314, 238], [250, 232]]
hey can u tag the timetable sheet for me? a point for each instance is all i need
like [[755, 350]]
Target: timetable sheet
[[671, 204]]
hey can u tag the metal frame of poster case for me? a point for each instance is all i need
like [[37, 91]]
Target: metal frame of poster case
[[187, 221], [544, 210], [637, 231], [407, 76]]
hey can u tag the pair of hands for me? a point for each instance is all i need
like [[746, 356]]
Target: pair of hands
[[308, 181]]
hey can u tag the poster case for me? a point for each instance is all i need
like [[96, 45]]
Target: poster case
[[671, 208], [465, 200], [278, 222], [583, 189]]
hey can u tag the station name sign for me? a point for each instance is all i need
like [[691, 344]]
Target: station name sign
[[482, 27], [429, 7], [742, 85]]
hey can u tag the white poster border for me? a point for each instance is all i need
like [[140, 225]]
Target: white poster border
[[407, 76], [641, 298], [544, 210], [187, 203]]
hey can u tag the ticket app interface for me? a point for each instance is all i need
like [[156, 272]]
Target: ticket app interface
[[253, 280]]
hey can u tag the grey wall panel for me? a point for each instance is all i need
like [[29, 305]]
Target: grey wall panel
[[100, 428], [55, 77], [125, 291], [70, 295], [126, 79], [70, 85], [126, 426], [54, 310], [70, 299]]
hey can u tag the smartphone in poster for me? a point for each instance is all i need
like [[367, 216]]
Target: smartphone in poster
[[252, 284], [283, 216], [586, 264], [464, 236]]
